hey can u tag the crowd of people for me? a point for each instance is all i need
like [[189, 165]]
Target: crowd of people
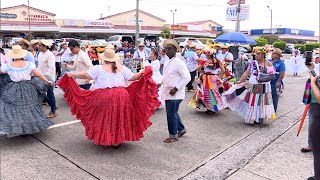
[[113, 112]]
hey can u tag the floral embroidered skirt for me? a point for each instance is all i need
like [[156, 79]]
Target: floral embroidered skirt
[[253, 102], [208, 94]]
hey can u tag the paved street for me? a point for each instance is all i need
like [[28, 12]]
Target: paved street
[[216, 146]]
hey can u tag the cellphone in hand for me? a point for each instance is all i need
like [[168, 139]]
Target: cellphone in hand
[[308, 57], [313, 73]]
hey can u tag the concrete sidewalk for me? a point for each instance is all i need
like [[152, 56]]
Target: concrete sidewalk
[[271, 152]]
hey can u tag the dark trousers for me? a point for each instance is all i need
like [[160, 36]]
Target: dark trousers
[[85, 86], [58, 69], [275, 97], [175, 125], [193, 75], [51, 99], [315, 137]]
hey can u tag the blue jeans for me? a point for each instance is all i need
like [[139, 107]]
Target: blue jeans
[[175, 125], [85, 86], [51, 99], [275, 97]]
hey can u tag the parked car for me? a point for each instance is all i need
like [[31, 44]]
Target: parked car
[[119, 40], [182, 41], [209, 42]]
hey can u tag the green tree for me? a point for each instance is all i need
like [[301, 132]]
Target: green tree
[[280, 44], [165, 33], [261, 41], [311, 46], [273, 38]]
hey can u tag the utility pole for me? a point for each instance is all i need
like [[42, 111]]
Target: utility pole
[[29, 34], [238, 17], [270, 41], [173, 13], [137, 23]]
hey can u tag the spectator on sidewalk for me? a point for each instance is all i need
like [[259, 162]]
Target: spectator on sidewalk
[[316, 67], [192, 64], [315, 125], [175, 78]]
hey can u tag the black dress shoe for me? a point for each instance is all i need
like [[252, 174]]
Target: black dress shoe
[[311, 178]]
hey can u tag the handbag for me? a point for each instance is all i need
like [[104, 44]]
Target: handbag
[[263, 76], [307, 93]]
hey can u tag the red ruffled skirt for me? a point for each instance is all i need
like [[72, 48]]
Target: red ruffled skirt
[[113, 115]]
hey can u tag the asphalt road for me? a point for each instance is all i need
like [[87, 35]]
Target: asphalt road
[[63, 152]]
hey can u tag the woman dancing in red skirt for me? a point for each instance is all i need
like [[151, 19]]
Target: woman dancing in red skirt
[[112, 113]]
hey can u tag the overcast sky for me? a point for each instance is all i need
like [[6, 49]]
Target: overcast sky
[[287, 13]]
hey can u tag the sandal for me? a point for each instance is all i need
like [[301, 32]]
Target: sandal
[[305, 150], [180, 135], [51, 115], [171, 140]]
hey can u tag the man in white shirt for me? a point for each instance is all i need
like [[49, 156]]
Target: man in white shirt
[[163, 59], [47, 66], [66, 54], [175, 78], [141, 56], [226, 56], [192, 60], [81, 62]]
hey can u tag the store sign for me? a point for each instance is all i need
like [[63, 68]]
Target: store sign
[[39, 18], [217, 28], [283, 31], [231, 13], [179, 27], [70, 22], [100, 23], [133, 21], [7, 15]]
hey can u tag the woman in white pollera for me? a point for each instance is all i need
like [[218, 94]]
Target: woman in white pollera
[[296, 64]]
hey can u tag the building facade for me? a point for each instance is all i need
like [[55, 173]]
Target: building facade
[[14, 22]]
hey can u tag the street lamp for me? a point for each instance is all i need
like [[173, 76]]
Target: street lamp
[[173, 13], [270, 24], [29, 21]]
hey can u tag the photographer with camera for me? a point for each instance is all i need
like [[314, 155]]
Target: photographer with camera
[[314, 114]]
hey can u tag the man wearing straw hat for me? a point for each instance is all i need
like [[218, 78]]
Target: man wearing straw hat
[[25, 45], [141, 56], [175, 78], [226, 56], [280, 67], [47, 66], [34, 49]]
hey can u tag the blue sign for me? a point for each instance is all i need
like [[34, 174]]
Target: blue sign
[[217, 28], [283, 31], [7, 15]]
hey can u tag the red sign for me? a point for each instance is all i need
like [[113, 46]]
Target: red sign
[[234, 2], [179, 27]]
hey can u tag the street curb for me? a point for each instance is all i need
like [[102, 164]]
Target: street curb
[[225, 163]]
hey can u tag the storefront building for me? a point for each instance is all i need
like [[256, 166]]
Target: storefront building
[[14, 22], [287, 34]]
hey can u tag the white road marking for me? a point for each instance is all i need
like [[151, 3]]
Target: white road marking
[[64, 124], [304, 77]]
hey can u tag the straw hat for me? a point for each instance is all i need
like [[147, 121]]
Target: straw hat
[[110, 46], [141, 44], [45, 42], [192, 45], [109, 55], [224, 47], [33, 42], [17, 52], [24, 42], [277, 51], [172, 42]]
